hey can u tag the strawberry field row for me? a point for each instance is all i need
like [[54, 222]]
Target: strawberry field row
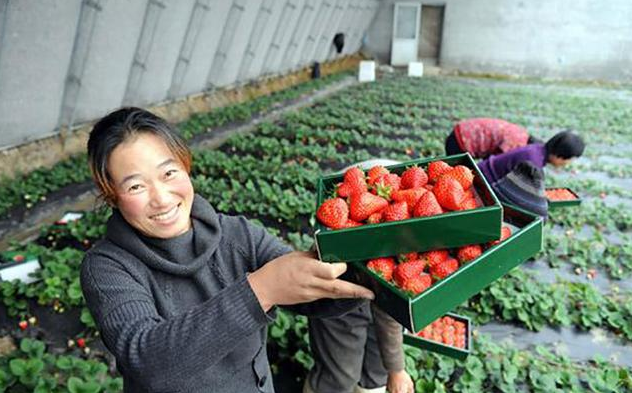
[[521, 298], [27, 190]]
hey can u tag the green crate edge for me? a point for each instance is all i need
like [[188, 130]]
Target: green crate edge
[[442, 291], [443, 349], [324, 235], [553, 205]]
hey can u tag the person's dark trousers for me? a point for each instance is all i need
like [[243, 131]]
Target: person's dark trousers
[[346, 353], [452, 146]]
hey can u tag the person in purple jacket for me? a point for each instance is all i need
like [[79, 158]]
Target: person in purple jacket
[[557, 151]]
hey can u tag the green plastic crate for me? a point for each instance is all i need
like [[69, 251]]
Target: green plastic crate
[[417, 312], [441, 348], [561, 204], [447, 230]]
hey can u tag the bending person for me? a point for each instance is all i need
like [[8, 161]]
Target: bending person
[[558, 151], [484, 137]]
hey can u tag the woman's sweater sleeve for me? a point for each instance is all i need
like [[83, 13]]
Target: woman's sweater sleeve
[[269, 247]]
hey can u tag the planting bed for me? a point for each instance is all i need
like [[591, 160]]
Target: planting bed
[[269, 176]]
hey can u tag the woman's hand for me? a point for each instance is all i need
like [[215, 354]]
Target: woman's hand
[[298, 277], [399, 382]]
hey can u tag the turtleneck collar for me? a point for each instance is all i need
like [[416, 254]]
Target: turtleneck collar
[[196, 246]]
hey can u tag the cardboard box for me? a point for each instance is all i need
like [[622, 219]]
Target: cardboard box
[[415, 313], [446, 230], [439, 347]]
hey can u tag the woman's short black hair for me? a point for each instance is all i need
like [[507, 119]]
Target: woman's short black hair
[[120, 126], [565, 144]]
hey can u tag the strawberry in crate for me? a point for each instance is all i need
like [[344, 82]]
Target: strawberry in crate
[[382, 196], [560, 194], [415, 272], [446, 330]]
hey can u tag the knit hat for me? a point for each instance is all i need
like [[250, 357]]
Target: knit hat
[[523, 187]]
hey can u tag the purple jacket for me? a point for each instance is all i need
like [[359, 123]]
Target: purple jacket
[[496, 167]]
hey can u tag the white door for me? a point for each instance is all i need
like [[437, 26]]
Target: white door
[[405, 33]]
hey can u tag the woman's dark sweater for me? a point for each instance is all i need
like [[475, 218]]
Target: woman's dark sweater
[[178, 314]]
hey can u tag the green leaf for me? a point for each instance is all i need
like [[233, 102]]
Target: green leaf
[[77, 385], [18, 367]]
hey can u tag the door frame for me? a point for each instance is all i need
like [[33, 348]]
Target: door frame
[[399, 46]]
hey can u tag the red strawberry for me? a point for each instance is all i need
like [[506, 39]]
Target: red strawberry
[[375, 173], [410, 196], [468, 204], [382, 266], [386, 185], [81, 343], [449, 193], [427, 206], [436, 169], [414, 177], [426, 332], [411, 256], [353, 182], [362, 205], [396, 212], [19, 258], [351, 224], [505, 233], [469, 193], [333, 213], [445, 268], [343, 190], [417, 284], [406, 270], [23, 325], [462, 174], [435, 257], [469, 253], [375, 218], [448, 338]]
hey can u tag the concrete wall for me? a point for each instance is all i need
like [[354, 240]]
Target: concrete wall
[[576, 39], [65, 63]]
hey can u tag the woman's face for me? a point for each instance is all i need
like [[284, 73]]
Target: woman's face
[[153, 190], [559, 162]]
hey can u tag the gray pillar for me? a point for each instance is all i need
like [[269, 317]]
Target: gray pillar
[[143, 47], [255, 38], [196, 22], [296, 38], [275, 44], [226, 40], [78, 57]]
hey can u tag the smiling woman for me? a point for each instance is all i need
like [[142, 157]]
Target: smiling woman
[[171, 270]]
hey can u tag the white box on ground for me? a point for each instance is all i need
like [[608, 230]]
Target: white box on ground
[[366, 72], [20, 271], [416, 68]]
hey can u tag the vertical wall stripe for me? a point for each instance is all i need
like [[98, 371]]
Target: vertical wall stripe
[[143, 48], [196, 22]]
